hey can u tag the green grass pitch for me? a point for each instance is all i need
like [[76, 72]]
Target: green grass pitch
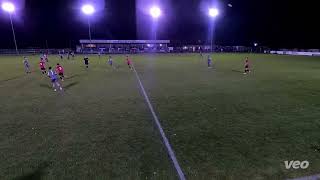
[[221, 123]]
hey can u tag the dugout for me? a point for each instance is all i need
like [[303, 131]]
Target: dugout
[[123, 46]]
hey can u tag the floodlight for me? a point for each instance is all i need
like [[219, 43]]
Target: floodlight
[[255, 44], [87, 9], [155, 12], [213, 12], [8, 7]]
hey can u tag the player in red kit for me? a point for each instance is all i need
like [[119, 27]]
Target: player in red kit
[[42, 66], [60, 71], [246, 66], [129, 62]]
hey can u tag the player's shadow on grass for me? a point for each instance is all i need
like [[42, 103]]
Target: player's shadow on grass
[[10, 79], [66, 87], [237, 71], [73, 76], [45, 86], [71, 85], [35, 175]]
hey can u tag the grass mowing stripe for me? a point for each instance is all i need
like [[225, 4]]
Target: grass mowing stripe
[[163, 135]]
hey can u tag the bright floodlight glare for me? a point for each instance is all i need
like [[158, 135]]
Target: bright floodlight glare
[[255, 44], [155, 12], [213, 12], [8, 7], [87, 9]]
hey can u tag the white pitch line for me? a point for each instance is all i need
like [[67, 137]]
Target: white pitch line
[[164, 138], [314, 177]]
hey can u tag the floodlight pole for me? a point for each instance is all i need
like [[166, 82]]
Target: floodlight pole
[[89, 25], [155, 34], [155, 31], [213, 13], [211, 35], [47, 45], [14, 35]]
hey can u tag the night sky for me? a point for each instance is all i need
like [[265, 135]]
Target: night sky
[[272, 23]]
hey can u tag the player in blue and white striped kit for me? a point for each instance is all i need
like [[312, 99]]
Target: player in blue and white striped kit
[[54, 79], [110, 61], [26, 65]]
